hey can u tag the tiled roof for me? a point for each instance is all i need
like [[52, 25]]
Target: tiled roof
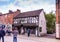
[[30, 13], [10, 12]]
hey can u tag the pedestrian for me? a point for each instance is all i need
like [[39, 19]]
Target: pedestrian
[[8, 32], [28, 32], [2, 34], [15, 32]]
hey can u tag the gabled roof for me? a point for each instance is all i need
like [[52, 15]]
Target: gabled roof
[[28, 14]]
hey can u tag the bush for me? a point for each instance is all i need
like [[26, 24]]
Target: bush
[[49, 32]]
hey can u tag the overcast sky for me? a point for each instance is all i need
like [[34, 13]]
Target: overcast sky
[[27, 5]]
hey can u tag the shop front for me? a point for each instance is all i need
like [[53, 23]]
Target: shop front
[[23, 28]]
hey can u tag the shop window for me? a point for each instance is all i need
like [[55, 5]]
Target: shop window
[[40, 29]]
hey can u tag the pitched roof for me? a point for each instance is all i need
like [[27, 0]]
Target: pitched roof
[[10, 12], [30, 13]]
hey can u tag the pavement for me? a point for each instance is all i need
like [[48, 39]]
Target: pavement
[[24, 38]]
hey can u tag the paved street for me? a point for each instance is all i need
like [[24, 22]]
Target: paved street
[[31, 39]]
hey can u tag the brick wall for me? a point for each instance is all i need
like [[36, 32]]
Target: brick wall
[[8, 17], [57, 11]]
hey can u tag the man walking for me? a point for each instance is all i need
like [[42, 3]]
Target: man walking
[[28, 32], [2, 34]]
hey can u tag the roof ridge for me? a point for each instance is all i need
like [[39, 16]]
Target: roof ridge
[[29, 13], [33, 10]]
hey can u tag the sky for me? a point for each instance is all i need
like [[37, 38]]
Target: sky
[[27, 5]]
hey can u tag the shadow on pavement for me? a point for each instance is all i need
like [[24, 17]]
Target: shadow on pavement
[[49, 36]]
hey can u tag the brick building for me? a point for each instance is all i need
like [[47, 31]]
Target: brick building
[[57, 18], [7, 18]]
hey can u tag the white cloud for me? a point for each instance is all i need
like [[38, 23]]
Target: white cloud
[[27, 6]]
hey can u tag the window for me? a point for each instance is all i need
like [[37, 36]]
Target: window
[[40, 29], [36, 19], [33, 20], [16, 20], [23, 20], [29, 20]]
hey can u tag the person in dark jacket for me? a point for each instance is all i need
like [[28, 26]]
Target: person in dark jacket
[[2, 34], [28, 32]]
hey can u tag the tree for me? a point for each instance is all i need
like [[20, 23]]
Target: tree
[[50, 18]]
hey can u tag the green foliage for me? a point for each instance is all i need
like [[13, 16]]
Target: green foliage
[[50, 18]]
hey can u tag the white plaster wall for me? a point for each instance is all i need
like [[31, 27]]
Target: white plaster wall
[[57, 30], [43, 23]]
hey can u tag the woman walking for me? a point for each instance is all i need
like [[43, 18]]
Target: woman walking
[[15, 32]]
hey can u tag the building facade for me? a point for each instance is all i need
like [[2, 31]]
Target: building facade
[[57, 18], [7, 18], [33, 20]]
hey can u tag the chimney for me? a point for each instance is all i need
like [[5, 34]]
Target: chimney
[[10, 11], [0, 13], [18, 10]]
